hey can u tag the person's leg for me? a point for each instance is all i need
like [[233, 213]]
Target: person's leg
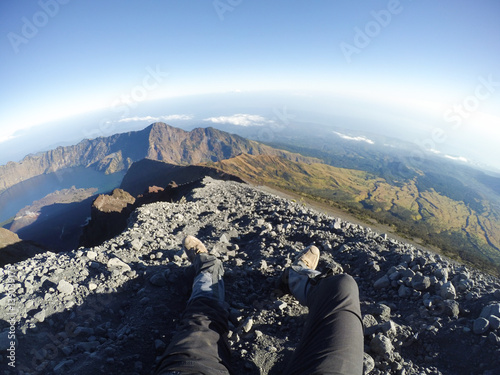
[[200, 346], [332, 342]]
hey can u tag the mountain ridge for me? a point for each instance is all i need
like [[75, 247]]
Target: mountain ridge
[[117, 152]]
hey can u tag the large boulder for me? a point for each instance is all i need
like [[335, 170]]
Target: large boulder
[[109, 214]]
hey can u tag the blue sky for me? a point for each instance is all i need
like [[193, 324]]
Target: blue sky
[[428, 66]]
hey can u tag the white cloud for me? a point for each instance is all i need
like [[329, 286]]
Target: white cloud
[[154, 119], [357, 139], [240, 119], [7, 137], [457, 158]]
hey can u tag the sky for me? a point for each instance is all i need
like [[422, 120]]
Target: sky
[[428, 69]]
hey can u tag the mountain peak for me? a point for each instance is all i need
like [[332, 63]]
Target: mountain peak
[[158, 141], [161, 126]]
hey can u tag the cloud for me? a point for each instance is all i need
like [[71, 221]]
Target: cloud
[[154, 119], [14, 133], [7, 137], [240, 119], [457, 158], [357, 139]]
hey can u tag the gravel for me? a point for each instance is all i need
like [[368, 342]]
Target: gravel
[[113, 308]]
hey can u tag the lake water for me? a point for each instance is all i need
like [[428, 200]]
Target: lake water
[[16, 197]]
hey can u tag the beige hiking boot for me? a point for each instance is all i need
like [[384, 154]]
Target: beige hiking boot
[[309, 257], [193, 246], [295, 279]]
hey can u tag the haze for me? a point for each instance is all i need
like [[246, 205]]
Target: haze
[[422, 71]]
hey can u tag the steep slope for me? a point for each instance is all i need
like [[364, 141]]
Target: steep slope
[[114, 308], [13, 249], [7, 238], [158, 142], [468, 229]]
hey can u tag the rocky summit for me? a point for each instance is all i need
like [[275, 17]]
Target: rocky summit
[[112, 308]]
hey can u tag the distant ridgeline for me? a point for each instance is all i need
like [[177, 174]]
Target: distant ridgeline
[[117, 152]]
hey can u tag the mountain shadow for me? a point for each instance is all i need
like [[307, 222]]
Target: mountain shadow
[[58, 226], [20, 251], [147, 172], [127, 343]]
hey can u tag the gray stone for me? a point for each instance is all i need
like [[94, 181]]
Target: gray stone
[[447, 291], [441, 274], [480, 326], [465, 285], [263, 265], [493, 338], [407, 273], [370, 324], [395, 275], [451, 308], [407, 258], [280, 305], [337, 224], [382, 283], [158, 279], [489, 310], [136, 244], [494, 322], [420, 282], [92, 255], [368, 364], [224, 239], [247, 325], [40, 316], [381, 345], [383, 311], [64, 287], [389, 328], [118, 264], [404, 291]]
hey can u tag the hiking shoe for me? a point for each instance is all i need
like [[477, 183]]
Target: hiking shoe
[[309, 257], [295, 279], [193, 246]]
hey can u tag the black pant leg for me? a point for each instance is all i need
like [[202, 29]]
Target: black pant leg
[[332, 342], [200, 346]]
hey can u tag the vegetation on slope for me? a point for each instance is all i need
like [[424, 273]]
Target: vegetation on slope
[[457, 220]]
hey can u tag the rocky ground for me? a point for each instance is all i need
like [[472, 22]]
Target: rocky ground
[[113, 308]]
